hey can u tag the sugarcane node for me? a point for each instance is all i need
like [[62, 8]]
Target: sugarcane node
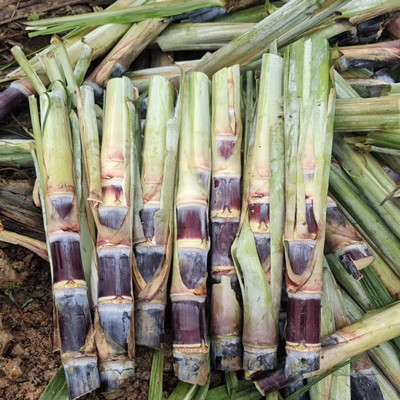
[[225, 196], [258, 359], [63, 203]]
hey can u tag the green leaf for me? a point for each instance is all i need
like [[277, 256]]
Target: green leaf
[[231, 381], [156, 376], [57, 387]]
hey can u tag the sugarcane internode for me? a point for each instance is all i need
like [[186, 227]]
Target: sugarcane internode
[[114, 311], [308, 135], [72, 310], [153, 235], [226, 315], [188, 290]]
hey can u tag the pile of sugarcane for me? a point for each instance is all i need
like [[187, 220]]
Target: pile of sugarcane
[[254, 190]]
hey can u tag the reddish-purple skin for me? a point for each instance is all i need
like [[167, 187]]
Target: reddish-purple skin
[[73, 314], [303, 322], [192, 267], [63, 205], [10, 98], [67, 262], [192, 223], [147, 218], [225, 194], [189, 322], [334, 216], [222, 236], [114, 275], [148, 260], [270, 381], [299, 256], [311, 223], [226, 147]]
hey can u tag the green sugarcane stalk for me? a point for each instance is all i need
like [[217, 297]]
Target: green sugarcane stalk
[[345, 242], [16, 152], [57, 176], [379, 233], [257, 250], [308, 135], [153, 229], [188, 288], [285, 25], [226, 146], [336, 385]]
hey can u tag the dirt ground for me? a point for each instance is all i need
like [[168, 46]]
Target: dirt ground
[[27, 360]]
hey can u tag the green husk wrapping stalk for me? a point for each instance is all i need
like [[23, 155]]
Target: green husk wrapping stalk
[[345, 242], [309, 106], [55, 170], [109, 174], [258, 251], [154, 214], [226, 129], [189, 278]]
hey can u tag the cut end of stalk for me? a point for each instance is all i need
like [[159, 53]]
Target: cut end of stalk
[[299, 362], [149, 324], [191, 365], [82, 376], [114, 373], [226, 353], [355, 258], [257, 359]]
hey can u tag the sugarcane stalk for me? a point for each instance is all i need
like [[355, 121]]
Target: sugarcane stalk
[[188, 289], [135, 40], [345, 242], [388, 51], [337, 384], [132, 14], [153, 231], [251, 14], [258, 251], [286, 24], [374, 328], [308, 136], [100, 39], [373, 182], [203, 36], [385, 355], [353, 287], [371, 114], [59, 201], [226, 129], [113, 216], [378, 232], [141, 77]]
